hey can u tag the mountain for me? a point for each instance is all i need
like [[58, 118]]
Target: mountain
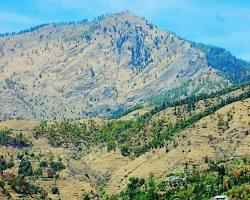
[[93, 69]]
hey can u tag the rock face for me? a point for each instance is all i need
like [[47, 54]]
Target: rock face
[[87, 70]]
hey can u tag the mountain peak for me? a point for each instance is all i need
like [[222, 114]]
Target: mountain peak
[[124, 16], [126, 13]]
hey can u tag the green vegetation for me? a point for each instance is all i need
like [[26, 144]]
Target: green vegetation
[[230, 177], [56, 166], [54, 190], [158, 141], [7, 139], [134, 137], [22, 186], [121, 112], [170, 95], [25, 168], [5, 164], [165, 100], [223, 124], [232, 68], [30, 167]]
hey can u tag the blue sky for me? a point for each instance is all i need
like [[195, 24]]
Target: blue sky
[[225, 23]]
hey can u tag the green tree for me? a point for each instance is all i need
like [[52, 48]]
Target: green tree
[[54, 190], [25, 168]]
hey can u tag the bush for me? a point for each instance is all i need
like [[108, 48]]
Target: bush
[[38, 172], [57, 166], [85, 196], [5, 164], [7, 139], [21, 186], [50, 173], [44, 163], [25, 168], [10, 164], [54, 190], [125, 150], [40, 130], [2, 184], [175, 144], [111, 145]]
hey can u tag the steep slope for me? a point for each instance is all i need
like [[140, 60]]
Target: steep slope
[[90, 69], [232, 68], [205, 139]]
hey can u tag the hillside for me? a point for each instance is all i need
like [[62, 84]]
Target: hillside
[[232, 68], [199, 140], [93, 69]]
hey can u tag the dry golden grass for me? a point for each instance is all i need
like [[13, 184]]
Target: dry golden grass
[[136, 113], [231, 142], [194, 143], [18, 124]]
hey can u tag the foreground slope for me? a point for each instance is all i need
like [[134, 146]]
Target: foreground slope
[[92, 156]]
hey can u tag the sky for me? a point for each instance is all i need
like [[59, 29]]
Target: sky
[[224, 23]]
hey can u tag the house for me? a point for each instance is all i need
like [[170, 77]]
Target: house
[[221, 197]]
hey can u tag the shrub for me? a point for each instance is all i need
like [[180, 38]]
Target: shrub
[[111, 145], [10, 164], [40, 130], [175, 144], [7, 139], [21, 186], [25, 168], [125, 150], [5, 164], [44, 163], [85, 196], [57, 166], [54, 190], [50, 173], [38, 172], [2, 184]]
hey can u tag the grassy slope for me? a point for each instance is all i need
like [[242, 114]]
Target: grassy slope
[[111, 170]]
